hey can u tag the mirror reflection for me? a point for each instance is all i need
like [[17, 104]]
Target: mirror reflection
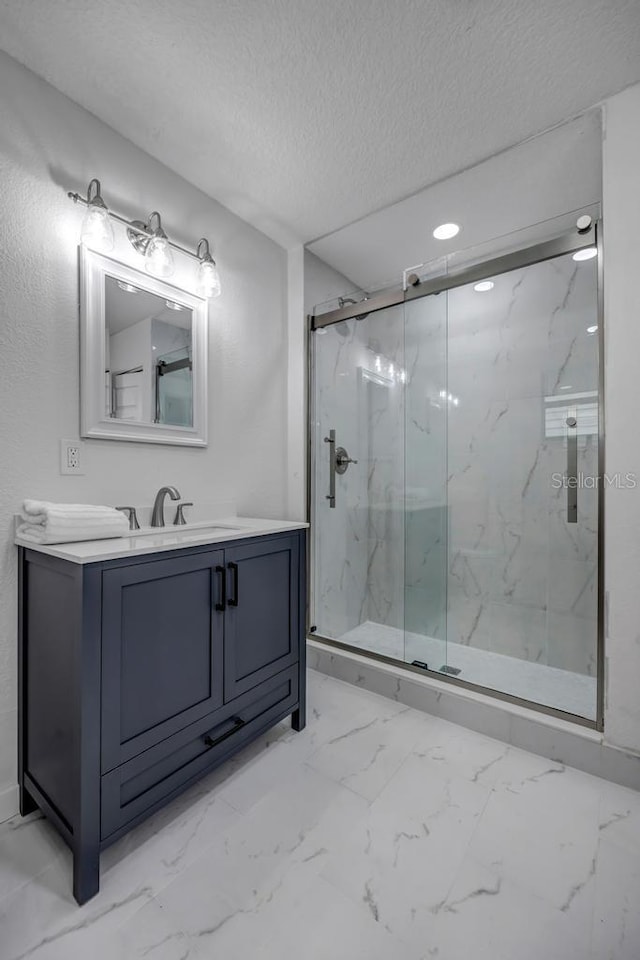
[[148, 356]]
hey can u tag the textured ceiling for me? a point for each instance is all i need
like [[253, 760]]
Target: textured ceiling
[[304, 115]]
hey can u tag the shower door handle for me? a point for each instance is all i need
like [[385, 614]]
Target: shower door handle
[[572, 467], [331, 440]]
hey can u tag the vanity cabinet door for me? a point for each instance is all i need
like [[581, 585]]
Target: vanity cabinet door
[[262, 619], [162, 650]]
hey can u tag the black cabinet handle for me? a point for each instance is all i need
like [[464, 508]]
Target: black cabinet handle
[[223, 589], [218, 734], [233, 601]]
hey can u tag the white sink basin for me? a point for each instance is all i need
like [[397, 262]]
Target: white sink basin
[[186, 529]]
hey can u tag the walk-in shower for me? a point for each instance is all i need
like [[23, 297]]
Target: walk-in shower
[[455, 463]]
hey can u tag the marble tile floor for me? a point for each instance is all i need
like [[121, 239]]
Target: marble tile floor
[[573, 692], [377, 832]]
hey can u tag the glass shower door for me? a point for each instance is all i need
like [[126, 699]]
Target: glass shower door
[[455, 481], [522, 451], [358, 416], [428, 401], [174, 388]]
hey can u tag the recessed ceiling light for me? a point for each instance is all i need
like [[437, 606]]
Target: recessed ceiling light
[[592, 329], [127, 287], [587, 253], [484, 285], [446, 230], [173, 305]]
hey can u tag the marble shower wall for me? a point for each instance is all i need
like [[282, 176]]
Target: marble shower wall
[[521, 580]]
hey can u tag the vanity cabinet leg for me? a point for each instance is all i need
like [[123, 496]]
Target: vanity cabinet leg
[[299, 719], [26, 802], [86, 873]]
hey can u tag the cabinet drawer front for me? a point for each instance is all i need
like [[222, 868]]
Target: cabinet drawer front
[[262, 623], [148, 780], [162, 651]]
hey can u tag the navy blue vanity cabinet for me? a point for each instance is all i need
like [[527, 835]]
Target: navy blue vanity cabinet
[[260, 596], [137, 676], [162, 650]]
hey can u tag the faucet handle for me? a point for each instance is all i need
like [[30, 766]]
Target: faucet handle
[[131, 514], [179, 517]]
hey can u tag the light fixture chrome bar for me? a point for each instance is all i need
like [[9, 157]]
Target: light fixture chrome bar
[[133, 225]]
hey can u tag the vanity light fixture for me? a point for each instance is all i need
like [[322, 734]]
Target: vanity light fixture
[[149, 239], [446, 231], [484, 285], [587, 253], [97, 231], [208, 278]]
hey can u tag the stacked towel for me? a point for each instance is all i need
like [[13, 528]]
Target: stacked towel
[[44, 522]]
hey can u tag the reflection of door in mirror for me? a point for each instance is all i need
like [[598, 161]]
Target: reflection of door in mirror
[[142, 329], [174, 388], [127, 395]]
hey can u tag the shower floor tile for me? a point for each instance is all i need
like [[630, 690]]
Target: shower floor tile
[[573, 692], [379, 831]]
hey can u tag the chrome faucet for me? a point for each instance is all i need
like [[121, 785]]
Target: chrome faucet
[[157, 517]]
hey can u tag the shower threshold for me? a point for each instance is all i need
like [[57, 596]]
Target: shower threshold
[[539, 683]]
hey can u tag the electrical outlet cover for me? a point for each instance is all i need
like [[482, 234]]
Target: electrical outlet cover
[[71, 458]]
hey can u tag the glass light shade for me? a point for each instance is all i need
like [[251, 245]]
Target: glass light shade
[[97, 229], [208, 279], [158, 258]]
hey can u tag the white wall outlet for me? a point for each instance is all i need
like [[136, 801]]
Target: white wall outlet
[[71, 458]]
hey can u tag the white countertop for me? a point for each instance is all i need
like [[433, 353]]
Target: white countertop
[[149, 541]]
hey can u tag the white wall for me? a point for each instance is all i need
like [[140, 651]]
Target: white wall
[[322, 282], [130, 348], [621, 204], [49, 145]]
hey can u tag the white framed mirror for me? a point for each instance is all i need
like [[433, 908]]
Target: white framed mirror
[[143, 356]]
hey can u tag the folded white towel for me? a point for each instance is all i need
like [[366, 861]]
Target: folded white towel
[[46, 522]]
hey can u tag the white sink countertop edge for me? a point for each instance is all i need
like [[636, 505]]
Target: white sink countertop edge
[[166, 538]]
